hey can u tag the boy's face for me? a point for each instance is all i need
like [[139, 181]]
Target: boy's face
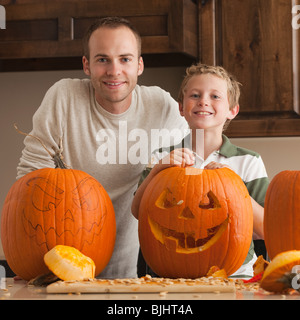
[[114, 66], [205, 103]]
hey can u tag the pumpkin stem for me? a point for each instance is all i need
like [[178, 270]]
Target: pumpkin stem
[[57, 157], [287, 280], [43, 280]]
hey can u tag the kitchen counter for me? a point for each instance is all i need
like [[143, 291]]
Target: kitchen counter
[[11, 289]]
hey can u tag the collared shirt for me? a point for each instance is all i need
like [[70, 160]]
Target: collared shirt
[[246, 163]]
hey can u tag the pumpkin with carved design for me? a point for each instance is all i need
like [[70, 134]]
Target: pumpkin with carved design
[[192, 219], [49, 207]]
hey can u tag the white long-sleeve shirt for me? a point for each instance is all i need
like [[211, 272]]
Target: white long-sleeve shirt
[[113, 148]]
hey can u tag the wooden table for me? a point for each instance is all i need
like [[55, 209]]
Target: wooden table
[[19, 290]]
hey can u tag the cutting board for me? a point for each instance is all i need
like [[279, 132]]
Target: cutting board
[[140, 285]]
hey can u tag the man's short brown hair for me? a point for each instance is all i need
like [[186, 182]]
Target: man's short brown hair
[[113, 23]]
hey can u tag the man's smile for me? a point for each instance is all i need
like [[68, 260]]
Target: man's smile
[[114, 84]]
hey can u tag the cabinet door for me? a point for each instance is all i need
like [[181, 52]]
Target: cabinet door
[[47, 31], [254, 40]]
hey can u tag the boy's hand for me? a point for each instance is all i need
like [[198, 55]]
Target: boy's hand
[[178, 158], [216, 165]]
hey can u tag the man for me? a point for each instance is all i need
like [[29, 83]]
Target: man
[[108, 126]]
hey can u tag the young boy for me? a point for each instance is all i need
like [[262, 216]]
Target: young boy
[[209, 100]]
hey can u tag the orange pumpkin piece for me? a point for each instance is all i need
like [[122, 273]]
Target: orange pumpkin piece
[[68, 263], [212, 270], [280, 274], [216, 272], [260, 265], [220, 274]]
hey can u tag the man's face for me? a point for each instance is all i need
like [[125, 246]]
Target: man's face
[[114, 66]]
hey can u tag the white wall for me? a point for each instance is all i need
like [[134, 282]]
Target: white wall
[[278, 153], [21, 94]]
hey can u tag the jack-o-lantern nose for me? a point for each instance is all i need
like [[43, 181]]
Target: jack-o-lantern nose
[[186, 213], [68, 215]]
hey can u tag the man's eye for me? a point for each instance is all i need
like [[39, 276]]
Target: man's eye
[[102, 60], [125, 59]]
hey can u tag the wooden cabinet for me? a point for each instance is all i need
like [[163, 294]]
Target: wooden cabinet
[[48, 33], [253, 39]]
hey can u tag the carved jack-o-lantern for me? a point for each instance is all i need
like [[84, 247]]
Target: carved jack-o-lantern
[[48, 207], [191, 219]]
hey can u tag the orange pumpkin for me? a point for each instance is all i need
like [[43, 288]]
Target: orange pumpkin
[[282, 213], [50, 206], [192, 219]]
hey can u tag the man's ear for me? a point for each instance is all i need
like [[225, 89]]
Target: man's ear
[[86, 65], [233, 112], [141, 66]]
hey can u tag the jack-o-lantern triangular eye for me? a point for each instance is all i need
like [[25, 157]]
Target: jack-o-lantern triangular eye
[[186, 213], [213, 202], [166, 200]]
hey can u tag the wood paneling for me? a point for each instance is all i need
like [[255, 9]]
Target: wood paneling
[[254, 40], [53, 29], [260, 53]]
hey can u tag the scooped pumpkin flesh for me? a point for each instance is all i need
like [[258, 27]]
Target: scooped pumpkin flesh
[[68, 263], [279, 273]]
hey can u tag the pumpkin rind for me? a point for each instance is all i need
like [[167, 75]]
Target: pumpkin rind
[[68, 263], [198, 219], [282, 265], [50, 206], [282, 213]]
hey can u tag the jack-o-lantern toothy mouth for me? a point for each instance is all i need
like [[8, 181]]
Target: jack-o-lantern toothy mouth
[[186, 242]]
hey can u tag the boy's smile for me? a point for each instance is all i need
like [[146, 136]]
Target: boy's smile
[[203, 113], [205, 104]]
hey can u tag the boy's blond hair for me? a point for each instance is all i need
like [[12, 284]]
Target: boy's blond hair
[[232, 84]]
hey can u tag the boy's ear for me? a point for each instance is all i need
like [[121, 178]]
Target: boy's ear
[[181, 109], [233, 112]]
